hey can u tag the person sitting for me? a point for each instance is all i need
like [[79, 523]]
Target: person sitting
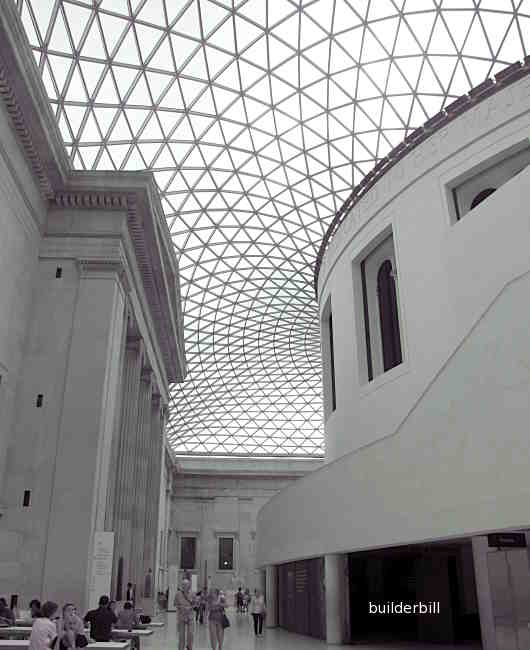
[[127, 618], [44, 630], [73, 635], [7, 617], [101, 620], [34, 608]]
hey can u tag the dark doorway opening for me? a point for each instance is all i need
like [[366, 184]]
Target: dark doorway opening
[[438, 579]]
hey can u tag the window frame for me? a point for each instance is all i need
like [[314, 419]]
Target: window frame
[[182, 537], [485, 170], [369, 376], [221, 536]]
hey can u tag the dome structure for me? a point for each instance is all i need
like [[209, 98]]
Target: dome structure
[[257, 118]]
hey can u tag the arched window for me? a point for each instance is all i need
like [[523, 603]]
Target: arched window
[[388, 316], [483, 194]]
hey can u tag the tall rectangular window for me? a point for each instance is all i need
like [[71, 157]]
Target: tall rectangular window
[[226, 553], [187, 552], [380, 310], [332, 362]]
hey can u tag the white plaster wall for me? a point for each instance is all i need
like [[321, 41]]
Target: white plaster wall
[[447, 274], [437, 447]]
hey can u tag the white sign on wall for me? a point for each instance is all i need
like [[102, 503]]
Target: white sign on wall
[[101, 567]]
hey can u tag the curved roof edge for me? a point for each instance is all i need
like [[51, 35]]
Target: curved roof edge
[[485, 89]]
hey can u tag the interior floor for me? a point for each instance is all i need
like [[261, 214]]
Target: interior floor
[[240, 636]]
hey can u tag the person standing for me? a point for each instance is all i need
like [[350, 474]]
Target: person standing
[[216, 615], [101, 620], [183, 603], [258, 612], [44, 630]]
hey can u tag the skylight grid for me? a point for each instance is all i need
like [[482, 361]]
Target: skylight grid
[[257, 117]]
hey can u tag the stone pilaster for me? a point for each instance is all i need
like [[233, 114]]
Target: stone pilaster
[[125, 476], [87, 419], [140, 481]]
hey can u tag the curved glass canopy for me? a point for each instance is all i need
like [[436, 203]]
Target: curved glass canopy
[[257, 118]]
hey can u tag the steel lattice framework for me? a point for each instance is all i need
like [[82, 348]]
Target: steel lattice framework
[[257, 118]]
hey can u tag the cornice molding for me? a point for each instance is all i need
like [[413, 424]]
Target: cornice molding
[[92, 199], [16, 114]]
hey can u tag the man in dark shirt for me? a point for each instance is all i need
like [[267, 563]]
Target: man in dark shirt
[[101, 620]]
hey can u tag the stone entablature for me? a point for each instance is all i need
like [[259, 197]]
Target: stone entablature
[[488, 104], [62, 188]]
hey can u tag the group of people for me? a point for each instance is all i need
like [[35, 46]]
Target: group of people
[[243, 599], [66, 630], [213, 604], [190, 607]]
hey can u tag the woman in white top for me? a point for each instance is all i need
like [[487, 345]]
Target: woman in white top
[[258, 612], [44, 630]]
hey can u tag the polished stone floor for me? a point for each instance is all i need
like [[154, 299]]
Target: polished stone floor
[[240, 636]]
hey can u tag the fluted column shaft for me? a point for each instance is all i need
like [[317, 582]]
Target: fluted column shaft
[[124, 476], [140, 481], [153, 487], [115, 448]]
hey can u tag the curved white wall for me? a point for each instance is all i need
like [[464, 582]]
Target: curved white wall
[[438, 446]]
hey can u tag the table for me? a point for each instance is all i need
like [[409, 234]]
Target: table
[[135, 635], [13, 632], [156, 624], [98, 645]]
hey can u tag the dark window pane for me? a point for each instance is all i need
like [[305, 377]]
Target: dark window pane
[[226, 553], [481, 196], [187, 552], [332, 363], [388, 316]]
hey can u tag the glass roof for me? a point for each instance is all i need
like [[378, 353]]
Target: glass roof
[[257, 118]]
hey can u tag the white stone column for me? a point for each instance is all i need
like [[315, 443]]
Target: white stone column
[[80, 482], [124, 476], [140, 482], [271, 578], [479, 545], [154, 472], [334, 570]]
